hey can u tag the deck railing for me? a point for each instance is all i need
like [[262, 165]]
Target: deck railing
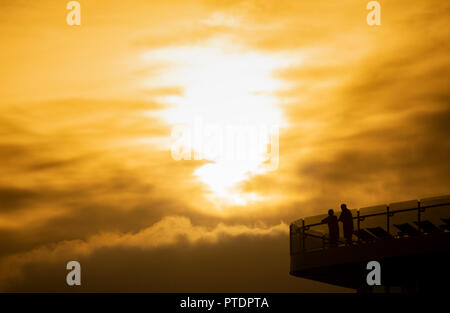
[[402, 219]]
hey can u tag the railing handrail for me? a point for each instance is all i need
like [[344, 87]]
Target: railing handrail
[[295, 228], [391, 213]]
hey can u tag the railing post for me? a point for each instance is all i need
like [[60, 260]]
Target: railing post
[[359, 227], [303, 235], [387, 219], [418, 216], [291, 241]]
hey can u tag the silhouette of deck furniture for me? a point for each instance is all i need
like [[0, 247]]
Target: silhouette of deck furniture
[[379, 232], [428, 227], [364, 236], [445, 226], [407, 229]]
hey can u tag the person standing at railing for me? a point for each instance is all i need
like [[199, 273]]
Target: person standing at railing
[[333, 228], [346, 218]]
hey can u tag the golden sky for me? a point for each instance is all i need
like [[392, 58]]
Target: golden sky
[[87, 114]]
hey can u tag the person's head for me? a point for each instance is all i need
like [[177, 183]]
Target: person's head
[[330, 212], [343, 207]]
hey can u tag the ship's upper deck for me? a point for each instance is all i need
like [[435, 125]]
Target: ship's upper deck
[[391, 232], [396, 220]]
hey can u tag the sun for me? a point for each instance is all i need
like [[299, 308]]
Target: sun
[[223, 85]]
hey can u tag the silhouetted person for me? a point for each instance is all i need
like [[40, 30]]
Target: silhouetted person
[[333, 228], [347, 220]]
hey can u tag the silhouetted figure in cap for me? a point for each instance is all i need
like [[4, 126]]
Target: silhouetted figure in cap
[[333, 228], [347, 220]]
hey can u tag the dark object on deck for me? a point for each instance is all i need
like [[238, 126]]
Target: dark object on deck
[[379, 232], [347, 223], [364, 236], [333, 228], [428, 227], [407, 229], [446, 226]]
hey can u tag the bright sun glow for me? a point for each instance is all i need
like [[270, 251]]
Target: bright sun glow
[[221, 84]]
